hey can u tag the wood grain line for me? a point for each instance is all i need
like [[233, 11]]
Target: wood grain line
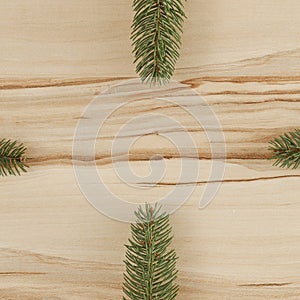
[[223, 181], [21, 273], [33, 83], [271, 284]]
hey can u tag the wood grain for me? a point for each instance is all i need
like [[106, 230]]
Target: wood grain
[[242, 57]]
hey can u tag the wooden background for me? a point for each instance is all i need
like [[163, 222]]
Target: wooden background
[[242, 56]]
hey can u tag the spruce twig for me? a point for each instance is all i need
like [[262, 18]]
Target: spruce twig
[[286, 150], [156, 38], [12, 159], [150, 266]]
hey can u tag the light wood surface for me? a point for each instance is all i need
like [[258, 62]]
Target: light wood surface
[[242, 57]]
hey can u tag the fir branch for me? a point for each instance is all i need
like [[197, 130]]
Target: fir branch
[[156, 29], [150, 266], [286, 150], [12, 159]]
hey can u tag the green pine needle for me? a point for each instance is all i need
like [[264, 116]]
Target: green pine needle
[[12, 159], [156, 30], [150, 266], [286, 150]]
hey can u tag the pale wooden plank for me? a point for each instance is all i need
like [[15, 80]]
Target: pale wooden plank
[[241, 56], [243, 245], [250, 114], [88, 38]]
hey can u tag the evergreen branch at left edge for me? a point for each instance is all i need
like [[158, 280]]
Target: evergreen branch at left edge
[[12, 158], [286, 150]]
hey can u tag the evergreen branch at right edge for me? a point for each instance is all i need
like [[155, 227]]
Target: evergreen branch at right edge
[[286, 150]]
